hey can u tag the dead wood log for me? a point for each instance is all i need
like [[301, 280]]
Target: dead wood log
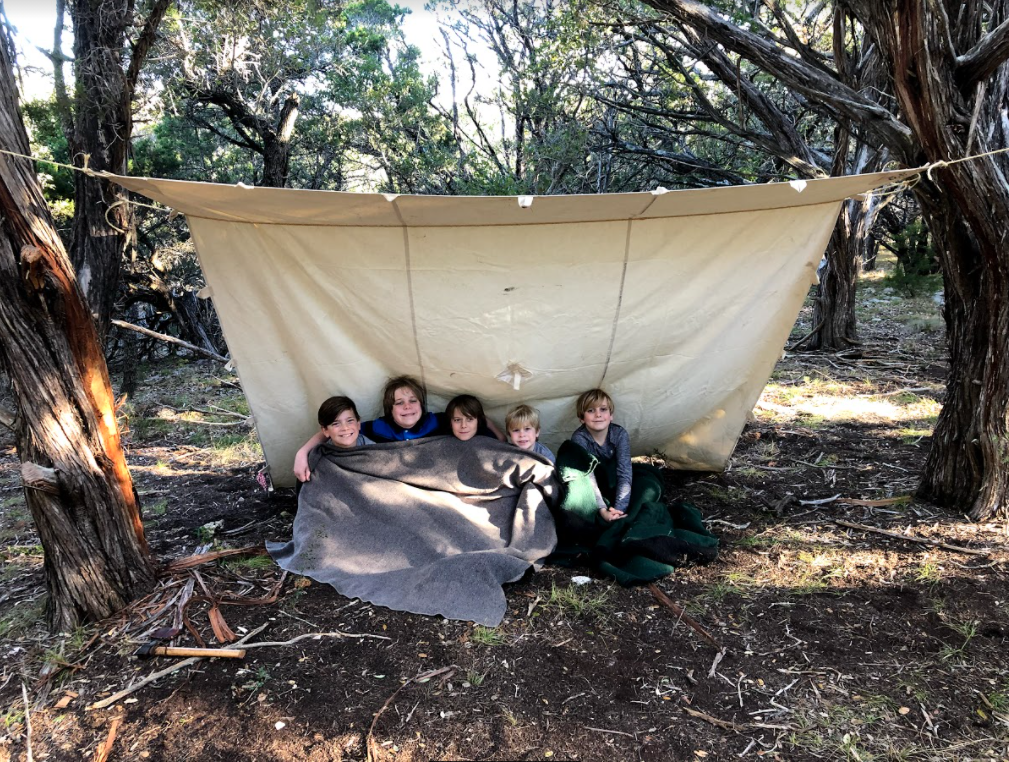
[[169, 340], [666, 601], [912, 538]]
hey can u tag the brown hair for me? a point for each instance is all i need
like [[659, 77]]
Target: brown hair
[[332, 408], [591, 398], [469, 406], [402, 382], [522, 415]]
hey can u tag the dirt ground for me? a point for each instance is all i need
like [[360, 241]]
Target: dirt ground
[[839, 642]]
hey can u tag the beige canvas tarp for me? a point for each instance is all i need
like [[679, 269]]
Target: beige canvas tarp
[[677, 303]]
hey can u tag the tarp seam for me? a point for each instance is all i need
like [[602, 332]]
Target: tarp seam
[[620, 301], [409, 289]]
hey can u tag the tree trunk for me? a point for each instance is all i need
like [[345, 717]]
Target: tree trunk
[[277, 145], [968, 463], [951, 89], [77, 485], [103, 124]]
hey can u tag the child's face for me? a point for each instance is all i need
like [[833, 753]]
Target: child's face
[[344, 431], [524, 436], [406, 410], [598, 417], [463, 426]]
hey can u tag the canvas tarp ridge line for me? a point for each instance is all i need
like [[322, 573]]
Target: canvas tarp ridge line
[[678, 303]]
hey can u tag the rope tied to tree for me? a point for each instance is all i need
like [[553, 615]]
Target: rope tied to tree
[[883, 191]]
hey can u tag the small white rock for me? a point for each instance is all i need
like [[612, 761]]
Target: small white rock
[[280, 725], [581, 580]]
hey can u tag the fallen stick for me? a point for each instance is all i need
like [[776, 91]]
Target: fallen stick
[[169, 340], [316, 636], [188, 562], [805, 338], [102, 752], [876, 503], [369, 739], [912, 538], [28, 722], [668, 602], [713, 720], [162, 673], [821, 501], [733, 726]]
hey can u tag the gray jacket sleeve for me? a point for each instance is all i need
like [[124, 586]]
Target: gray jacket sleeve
[[622, 445]]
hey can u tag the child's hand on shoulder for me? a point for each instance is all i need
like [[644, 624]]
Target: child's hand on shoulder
[[611, 514]]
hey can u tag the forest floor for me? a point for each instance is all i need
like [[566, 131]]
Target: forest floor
[[840, 643]]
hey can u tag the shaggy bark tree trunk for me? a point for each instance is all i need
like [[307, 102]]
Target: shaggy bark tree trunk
[[103, 123], [946, 63], [834, 308], [954, 113], [77, 485]]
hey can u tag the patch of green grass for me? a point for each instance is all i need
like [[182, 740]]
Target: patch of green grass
[[966, 629], [810, 420], [14, 551], [928, 573], [913, 684], [474, 678], [912, 434], [726, 494], [247, 563], [579, 600], [740, 582], [487, 636], [143, 429], [999, 700], [234, 450], [157, 508], [756, 541], [916, 323], [20, 618], [290, 601], [717, 591], [13, 719], [747, 472], [14, 507], [876, 707], [766, 450]]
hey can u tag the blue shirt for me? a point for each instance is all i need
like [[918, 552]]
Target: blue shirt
[[385, 429]]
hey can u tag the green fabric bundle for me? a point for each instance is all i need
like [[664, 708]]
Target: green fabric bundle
[[648, 544]]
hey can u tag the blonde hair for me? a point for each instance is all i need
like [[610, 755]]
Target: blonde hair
[[522, 415], [591, 398]]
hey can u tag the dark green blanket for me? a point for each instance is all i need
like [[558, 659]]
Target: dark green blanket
[[648, 544]]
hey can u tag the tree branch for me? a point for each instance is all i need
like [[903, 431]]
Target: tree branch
[[39, 477], [169, 339], [63, 106], [981, 61], [142, 46], [826, 92]]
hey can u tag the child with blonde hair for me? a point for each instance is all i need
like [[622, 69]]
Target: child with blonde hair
[[607, 441], [522, 424]]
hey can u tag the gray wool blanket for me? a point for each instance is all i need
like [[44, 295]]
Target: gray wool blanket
[[432, 526]]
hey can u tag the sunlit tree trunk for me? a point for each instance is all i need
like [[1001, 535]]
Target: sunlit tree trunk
[[77, 485]]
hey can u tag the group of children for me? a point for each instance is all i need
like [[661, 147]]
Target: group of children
[[406, 417]]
